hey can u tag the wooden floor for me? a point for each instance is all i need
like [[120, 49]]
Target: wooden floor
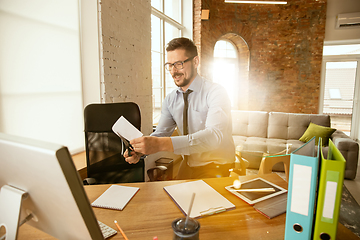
[[354, 186]]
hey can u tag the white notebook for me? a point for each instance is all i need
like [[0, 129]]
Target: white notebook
[[115, 197], [207, 200]]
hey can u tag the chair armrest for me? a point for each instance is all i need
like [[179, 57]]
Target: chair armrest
[[339, 134], [157, 173], [89, 181], [150, 160], [344, 143]]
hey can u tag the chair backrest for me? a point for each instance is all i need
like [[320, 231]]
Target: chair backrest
[[104, 148]]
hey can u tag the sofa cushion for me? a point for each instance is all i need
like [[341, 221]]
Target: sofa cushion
[[250, 123], [239, 140], [293, 125], [254, 144], [284, 126], [317, 131]]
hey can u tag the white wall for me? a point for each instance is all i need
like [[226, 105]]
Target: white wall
[[40, 78], [335, 7]]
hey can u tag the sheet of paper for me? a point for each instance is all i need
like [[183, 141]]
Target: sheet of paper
[[330, 199], [207, 200], [300, 197], [115, 197], [124, 128]]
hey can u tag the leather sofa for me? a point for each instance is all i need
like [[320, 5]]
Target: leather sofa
[[259, 131]]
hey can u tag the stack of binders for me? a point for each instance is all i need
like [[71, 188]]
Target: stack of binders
[[314, 192]]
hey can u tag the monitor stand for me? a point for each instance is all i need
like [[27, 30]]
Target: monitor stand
[[10, 206]]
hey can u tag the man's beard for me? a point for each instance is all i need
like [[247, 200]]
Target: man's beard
[[185, 81]]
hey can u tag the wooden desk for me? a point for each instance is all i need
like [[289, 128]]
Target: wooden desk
[[151, 212]]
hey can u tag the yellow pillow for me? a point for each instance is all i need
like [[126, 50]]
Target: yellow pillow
[[317, 131]]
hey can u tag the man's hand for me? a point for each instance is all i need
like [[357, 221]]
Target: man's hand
[[149, 145], [134, 158]]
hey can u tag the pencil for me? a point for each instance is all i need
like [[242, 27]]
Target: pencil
[[121, 231], [254, 190]]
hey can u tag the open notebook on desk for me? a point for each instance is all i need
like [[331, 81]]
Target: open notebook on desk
[[207, 200], [115, 197]]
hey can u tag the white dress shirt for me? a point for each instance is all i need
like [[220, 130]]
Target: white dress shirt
[[209, 123]]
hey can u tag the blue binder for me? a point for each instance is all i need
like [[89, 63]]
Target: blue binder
[[302, 189]]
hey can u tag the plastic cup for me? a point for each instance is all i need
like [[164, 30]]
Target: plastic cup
[[190, 232]]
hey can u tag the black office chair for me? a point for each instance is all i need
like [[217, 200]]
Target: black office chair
[[105, 162]]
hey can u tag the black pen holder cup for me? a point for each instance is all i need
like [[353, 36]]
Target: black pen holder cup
[[190, 232]]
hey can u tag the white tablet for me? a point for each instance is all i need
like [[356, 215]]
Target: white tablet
[[255, 197]]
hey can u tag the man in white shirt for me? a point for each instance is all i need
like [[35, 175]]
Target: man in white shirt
[[206, 143]]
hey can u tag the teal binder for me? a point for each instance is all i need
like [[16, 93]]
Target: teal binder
[[302, 189]]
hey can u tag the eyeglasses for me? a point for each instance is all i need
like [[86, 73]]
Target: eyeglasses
[[178, 65]]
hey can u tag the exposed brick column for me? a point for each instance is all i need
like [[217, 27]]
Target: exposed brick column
[[126, 55], [197, 28]]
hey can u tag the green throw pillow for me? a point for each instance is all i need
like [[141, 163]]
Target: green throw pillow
[[317, 131]]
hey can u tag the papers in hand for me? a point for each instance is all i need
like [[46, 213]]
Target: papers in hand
[[123, 128]]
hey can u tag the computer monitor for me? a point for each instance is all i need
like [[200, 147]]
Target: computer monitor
[[40, 178]]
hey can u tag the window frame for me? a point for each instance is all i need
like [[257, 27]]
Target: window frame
[[355, 129], [229, 60], [185, 29]]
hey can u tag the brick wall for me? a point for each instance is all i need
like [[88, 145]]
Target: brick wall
[[285, 44], [126, 55]]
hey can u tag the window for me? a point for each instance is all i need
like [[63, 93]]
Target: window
[[340, 87], [334, 93], [166, 23], [225, 68], [350, 49], [40, 79], [224, 49]]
